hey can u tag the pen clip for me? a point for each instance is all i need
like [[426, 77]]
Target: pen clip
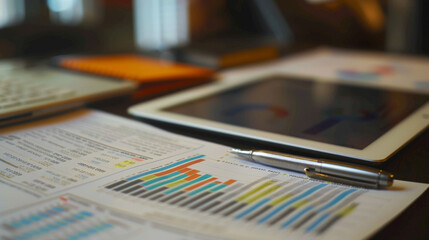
[[324, 177]]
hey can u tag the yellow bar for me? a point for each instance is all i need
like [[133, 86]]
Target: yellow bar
[[345, 211], [280, 200], [263, 194], [260, 187], [299, 204], [173, 184], [148, 177]]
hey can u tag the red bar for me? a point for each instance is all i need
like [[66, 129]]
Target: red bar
[[199, 184], [178, 168]]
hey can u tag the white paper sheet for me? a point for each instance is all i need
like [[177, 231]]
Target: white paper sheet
[[155, 184], [355, 67]]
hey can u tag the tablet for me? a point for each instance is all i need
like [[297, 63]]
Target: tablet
[[357, 122]]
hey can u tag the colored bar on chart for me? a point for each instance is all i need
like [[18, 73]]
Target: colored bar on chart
[[158, 179], [226, 191], [214, 193], [200, 196], [198, 182], [171, 196], [274, 200], [344, 212], [290, 202], [132, 189], [207, 200], [137, 193], [127, 185], [164, 168], [178, 168], [150, 193], [328, 205], [241, 200], [116, 184], [330, 196], [174, 179], [235, 193]]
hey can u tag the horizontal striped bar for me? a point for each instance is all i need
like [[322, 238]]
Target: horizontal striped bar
[[185, 165], [155, 180], [167, 182], [199, 184], [201, 189], [164, 168], [189, 183], [290, 202]]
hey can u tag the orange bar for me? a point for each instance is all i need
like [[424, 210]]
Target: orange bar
[[178, 168], [192, 172], [184, 170], [192, 177], [229, 182], [217, 182], [199, 184]]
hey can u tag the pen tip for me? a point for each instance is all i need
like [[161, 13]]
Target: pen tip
[[240, 152], [234, 150]]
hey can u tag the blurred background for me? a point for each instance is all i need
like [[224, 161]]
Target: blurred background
[[43, 28]]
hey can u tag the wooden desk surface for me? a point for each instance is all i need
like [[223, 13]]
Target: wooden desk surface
[[411, 163]]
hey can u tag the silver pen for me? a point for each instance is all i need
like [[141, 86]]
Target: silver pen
[[327, 170]]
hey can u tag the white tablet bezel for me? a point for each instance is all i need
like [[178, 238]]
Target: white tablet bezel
[[378, 151]]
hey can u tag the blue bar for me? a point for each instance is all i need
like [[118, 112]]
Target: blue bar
[[218, 187], [34, 218], [293, 200], [160, 178], [77, 216], [86, 213], [297, 216], [204, 177], [254, 207], [336, 199], [25, 221], [15, 224], [164, 168], [58, 209], [328, 205], [317, 222], [198, 190], [42, 215], [167, 182]]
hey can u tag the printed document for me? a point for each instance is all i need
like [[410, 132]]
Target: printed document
[[93, 175]]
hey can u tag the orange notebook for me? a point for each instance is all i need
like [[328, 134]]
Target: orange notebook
[[154, 76]]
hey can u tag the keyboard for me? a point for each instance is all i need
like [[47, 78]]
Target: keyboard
[[30, 92]]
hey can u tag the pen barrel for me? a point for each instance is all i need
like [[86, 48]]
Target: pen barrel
[[353, 172], [285, 161], [367, 176]]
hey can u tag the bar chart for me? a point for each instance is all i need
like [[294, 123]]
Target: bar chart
[[269, 199], [65, 217]]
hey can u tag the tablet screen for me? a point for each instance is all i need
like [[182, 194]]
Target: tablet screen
[[343, 115]]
